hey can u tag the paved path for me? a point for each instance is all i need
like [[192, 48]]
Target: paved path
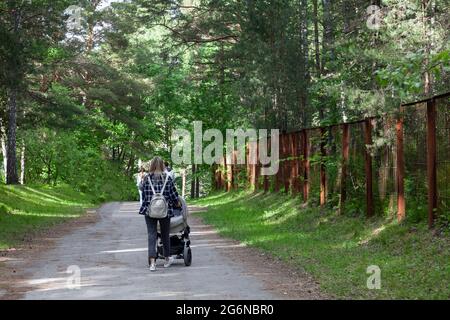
[[112, 257]]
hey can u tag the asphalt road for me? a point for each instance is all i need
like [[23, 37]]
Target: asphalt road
[[111, 257]]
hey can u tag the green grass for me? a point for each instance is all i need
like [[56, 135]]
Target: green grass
[[27, 209], [415, 264]]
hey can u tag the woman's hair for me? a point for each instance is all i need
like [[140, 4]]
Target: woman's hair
[[157, 166]]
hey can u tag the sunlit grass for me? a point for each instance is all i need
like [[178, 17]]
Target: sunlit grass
[[338, 249], [25, 210]]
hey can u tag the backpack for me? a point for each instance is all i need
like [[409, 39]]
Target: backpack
[[158, 208]]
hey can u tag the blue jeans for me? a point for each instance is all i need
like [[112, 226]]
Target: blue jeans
[[152, 236]]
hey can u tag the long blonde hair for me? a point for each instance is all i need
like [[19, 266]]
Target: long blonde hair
[[157, 166]]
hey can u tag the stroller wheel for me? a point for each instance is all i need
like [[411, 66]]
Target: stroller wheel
[[187, 255]]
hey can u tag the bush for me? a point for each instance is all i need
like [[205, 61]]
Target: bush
[[59, 158]]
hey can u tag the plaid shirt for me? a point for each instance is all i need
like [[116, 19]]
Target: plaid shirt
[[170, 193]]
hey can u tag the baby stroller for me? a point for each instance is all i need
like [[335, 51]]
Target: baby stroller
[[179, 235]]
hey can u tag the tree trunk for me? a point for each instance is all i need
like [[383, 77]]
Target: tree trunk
[[328, 35], [197, 185], [4, 153], [304, 63], [90, 38], [120, 152], [316, 38], [183, 183], [319, 60], [425, 21], [3, 143], [49, 173], [22, 164], [214, 183], [12, 93], [193, 182], [124, 153], [11, 176], [91, 26], [130, 165], [346, 7]]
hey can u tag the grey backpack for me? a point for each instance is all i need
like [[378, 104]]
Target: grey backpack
[[158, 208]]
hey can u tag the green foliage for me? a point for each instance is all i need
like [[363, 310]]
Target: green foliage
[[335, 249], [416, 199], [4, 210], [57, 157], [95, 101], [26, 210]]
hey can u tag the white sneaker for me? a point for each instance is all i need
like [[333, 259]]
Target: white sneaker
[[153, 267], [168, 263]]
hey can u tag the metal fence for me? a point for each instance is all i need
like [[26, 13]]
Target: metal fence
[[389, 165]]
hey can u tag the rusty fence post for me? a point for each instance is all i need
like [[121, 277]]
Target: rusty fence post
[[288, 155], [323, 173], [431, 161], [298, 153], [249, 165], [255, 166], [306, 167], [214, 177], [248, 169], [229, 167], [401, 209], [235, 170], [294, 167], [277, 176], [368, 167], [280, 182], [345, 155], [223, 176], [266, 183], [290, 166], [266, 177], [286, 171]]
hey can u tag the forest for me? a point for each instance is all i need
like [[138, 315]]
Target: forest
[[88, 90]]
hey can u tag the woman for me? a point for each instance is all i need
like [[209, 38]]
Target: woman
[[157, 176]]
